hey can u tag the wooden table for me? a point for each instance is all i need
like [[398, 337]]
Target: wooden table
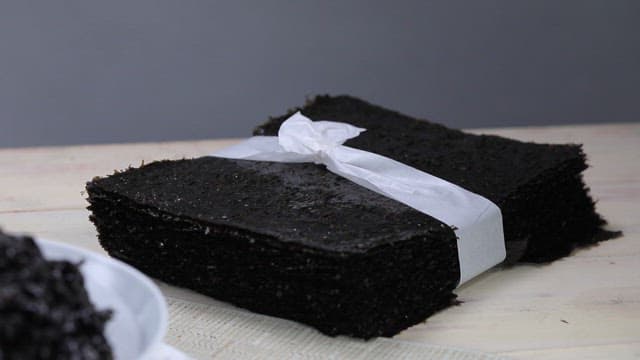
[[586, 306]]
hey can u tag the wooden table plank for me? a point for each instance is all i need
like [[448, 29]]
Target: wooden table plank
[[583, 306]]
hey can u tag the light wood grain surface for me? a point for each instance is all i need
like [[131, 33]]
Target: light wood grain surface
[[586, 306]]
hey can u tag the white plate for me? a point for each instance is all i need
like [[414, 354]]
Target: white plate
[[139, 321]]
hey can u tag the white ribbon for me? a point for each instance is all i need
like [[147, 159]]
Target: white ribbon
[[476, 221]]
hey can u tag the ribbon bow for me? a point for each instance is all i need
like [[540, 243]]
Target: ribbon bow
[[317, 139]]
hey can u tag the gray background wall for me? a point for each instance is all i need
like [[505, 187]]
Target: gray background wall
[[122, 70]]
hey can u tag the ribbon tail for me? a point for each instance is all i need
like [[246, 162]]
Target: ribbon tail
[[261, 148]]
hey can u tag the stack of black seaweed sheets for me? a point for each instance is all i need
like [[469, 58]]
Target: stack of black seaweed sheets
[[299, 242]]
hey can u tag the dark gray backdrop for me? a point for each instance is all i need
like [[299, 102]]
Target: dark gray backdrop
[[129, 70]]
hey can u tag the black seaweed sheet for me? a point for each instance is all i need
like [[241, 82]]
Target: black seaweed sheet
[[296, 241]]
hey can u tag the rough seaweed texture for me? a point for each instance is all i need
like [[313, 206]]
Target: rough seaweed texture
[[45, 312], [296, 241]]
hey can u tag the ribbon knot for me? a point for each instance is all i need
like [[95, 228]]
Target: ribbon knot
[[315, 139]]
